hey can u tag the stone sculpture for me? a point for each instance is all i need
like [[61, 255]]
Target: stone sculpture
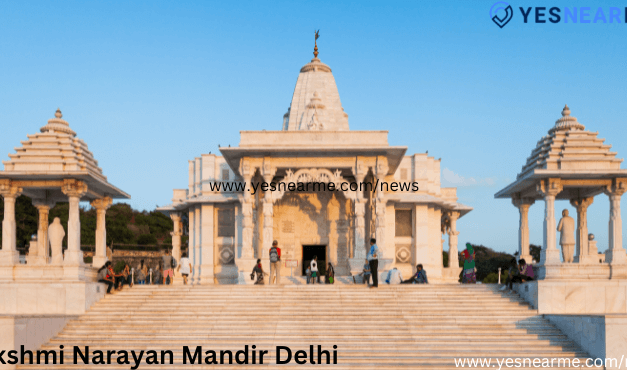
[[566, 228], [56, 235]]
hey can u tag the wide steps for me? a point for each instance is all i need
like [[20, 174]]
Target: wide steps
[[393, 327]]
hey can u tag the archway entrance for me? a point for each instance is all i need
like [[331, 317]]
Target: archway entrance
[[309, 251]]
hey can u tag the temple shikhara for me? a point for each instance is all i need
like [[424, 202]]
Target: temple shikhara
[[229, 230]]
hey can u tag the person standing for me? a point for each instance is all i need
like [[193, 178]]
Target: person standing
[[308, 273], [330, 278], [468, 256], [142, 272], [373, 260], [168, 265], [314, 269], [185, 267], [275, 262]]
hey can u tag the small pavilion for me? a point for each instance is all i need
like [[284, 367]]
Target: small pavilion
[[571, 163], [53, 166]]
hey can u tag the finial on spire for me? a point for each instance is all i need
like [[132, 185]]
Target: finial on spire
[[567, 122], [566, 111], [316, 43], [58, 113]]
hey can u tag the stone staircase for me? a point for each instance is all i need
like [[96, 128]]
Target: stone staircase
[[392, 327]]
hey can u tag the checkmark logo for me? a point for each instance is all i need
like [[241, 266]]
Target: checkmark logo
[[503, 19]]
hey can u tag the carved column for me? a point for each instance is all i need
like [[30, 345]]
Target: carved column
[[582, 251], [9, 255], [247, 213], [43, 244], [74, 189], [359, 251], [381, 172], [176, 235], [268, 212], [100, 254], [549, 189], [523, 205], [453, 254], [616, 252]]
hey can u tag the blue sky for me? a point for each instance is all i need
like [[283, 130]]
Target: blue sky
[[149, 85]]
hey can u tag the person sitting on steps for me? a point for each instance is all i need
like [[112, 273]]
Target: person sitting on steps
[[258, 269], [420, 277], [104, 277]]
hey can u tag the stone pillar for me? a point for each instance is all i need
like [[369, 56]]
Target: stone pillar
[[549, 188], [381, 172], [207, 244], [193, 257], [581, 250], [74, 190], [453, 254], [176, 233], [247, 213], [9, 255], [268, 212], [100, 254], [523, 205], [176, 245], [43, 244], [616, 252], [359, 251]]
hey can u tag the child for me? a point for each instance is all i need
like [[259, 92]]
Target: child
[[308, 273]]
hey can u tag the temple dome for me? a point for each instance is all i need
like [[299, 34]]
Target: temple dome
[[570, 147], [55, 151], [316, 101]]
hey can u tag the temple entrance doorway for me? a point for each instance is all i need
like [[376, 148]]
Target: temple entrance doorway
[[309, 251]]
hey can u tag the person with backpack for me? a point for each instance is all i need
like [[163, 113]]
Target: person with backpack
[[275, 262], [314, 269], [169, 263]]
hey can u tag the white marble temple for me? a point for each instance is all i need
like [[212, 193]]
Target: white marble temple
[[315, 144]]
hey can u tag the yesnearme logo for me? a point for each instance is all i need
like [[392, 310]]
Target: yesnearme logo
[[506, 17], [501, 13]]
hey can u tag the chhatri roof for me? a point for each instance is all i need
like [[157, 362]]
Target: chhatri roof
[[316, 102], [56, 154], [569, 151]]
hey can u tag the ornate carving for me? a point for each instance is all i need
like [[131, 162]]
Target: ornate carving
[[9, 190], [549, 187], [102, 204], [73, 188], [618, 187]]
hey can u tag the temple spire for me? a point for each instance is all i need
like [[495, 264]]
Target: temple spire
[[316, 44]]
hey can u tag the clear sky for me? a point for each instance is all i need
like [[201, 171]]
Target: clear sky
[[150, 85]]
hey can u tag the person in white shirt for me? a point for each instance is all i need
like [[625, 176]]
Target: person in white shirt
[[314, 269], [394, 277], [185, 267]]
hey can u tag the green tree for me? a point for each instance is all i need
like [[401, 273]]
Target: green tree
[[117, 220]]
